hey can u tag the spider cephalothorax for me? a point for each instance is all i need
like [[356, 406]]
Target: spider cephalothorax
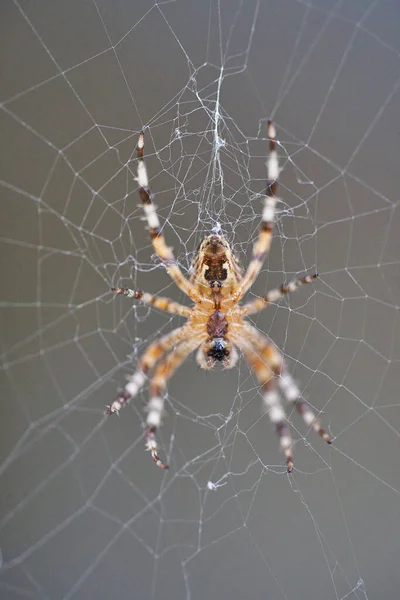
[[218, 350], [217, 347], [216, 324]]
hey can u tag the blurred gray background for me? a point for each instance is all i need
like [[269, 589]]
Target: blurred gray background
[[84, 513]]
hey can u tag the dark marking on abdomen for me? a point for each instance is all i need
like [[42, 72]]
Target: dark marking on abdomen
[[216, 270]]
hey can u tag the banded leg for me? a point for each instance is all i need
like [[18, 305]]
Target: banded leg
[[271, 356], [292, 394], [263, 243], [159, 302], [164, 252], [274, 295], [158, 384], [146, 363], [271, 401]]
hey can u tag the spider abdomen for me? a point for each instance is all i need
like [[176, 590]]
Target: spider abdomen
[[216, 269]]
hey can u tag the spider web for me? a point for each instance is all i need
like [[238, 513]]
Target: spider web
[[84, 511]]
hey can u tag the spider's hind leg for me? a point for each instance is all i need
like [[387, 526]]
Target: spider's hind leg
[[157, 237], [263, 243]]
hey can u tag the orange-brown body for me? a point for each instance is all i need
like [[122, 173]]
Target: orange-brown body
[[216, 324]]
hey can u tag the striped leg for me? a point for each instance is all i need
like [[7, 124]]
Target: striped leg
[[292, 394], [146, 363], [274, 295], [158, 384], [272, 357], [271, 401], [263, 243], [158, 302], [157, 237]]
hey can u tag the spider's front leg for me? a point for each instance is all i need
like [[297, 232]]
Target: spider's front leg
[[272, 357], [264, 372], [271, 371], [146, 363], [293, 395], [158, 384]]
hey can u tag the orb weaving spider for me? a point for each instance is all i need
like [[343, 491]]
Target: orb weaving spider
[[215, 324]]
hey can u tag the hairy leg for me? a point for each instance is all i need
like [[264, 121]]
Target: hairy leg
[[267, 351], [271, 370], [263, 243], [158, 383], [275, 411], [159, 302], [157, 237], [146, 363], [274, 295]]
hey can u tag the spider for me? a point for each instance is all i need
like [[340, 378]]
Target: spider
[[216, 324]]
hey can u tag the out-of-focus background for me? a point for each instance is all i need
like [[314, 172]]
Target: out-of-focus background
[[84, 512]]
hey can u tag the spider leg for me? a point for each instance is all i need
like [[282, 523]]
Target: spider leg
[[146, 363], [292, 394], [270, 369], [164, 252], [274, 295], [159, 302], [273, 357], [158, 384], [271, 400], [263, 243]]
